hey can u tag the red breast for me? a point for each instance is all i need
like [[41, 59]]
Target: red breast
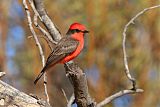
[[79, 36], [75, 53]]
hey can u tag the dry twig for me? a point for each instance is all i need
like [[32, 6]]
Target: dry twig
[[116, 95], [37, 44], [36, 16], [71, 100], [127, 72], [50, 26], [64, 93], [133, 90]]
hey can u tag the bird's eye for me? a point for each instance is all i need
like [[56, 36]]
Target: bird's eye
[[75, 31]]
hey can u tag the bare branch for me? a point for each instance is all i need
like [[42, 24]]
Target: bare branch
[[71, 100], [79, 82], [37, 44], [116, 95], [45, 33], [127, 72], [42, 37], [11, 97], [64, 93], [54, 32], [48, 38]]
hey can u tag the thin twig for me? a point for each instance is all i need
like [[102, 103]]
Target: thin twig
[[116, 95], [127, 72], [71, 100], [45, 33], [64, 93], [50, 26], [48, 37], [134, 90], [36, 40], [35, 20], [42, 37]]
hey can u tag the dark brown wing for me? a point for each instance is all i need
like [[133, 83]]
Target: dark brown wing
[[66, 46]]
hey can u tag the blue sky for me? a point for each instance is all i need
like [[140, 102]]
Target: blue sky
[[15, 34]]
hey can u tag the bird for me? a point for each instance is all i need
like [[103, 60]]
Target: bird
[[68, 48]]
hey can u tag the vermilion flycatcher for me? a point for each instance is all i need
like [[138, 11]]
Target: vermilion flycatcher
[[67, 48]]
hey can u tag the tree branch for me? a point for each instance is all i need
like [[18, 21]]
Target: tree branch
[[38, 45], [79, 82], [50, 26], [36, 16], [127, 72], [116, 95], [10, 96], [71, 100]]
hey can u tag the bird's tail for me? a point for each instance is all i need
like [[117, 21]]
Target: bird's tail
[[40, 75]]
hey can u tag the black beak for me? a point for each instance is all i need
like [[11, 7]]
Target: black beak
[[86, 31]]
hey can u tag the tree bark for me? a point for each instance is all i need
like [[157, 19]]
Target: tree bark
[[78, 79], [11, 97]]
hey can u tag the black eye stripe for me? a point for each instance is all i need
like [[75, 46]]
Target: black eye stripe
[[75, 31], [78, 30], [72, 31]]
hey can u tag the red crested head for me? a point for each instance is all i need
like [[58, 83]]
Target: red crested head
[[77, 26]]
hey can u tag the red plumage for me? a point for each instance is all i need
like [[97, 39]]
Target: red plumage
[[67, 48]]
